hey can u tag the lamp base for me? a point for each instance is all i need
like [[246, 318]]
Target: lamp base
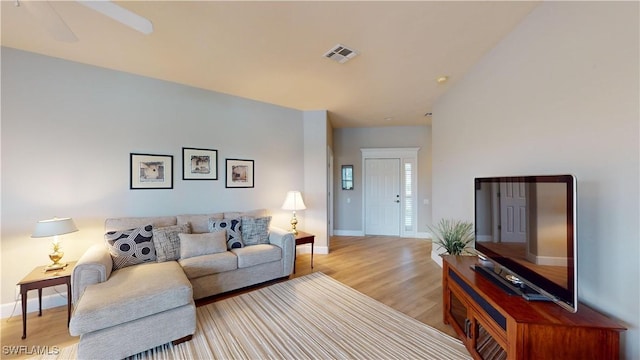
[[294, 223], [57, 266]]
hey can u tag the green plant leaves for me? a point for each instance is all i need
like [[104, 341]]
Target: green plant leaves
[[453, 235]]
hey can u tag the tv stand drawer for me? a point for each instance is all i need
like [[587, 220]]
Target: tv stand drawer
[[493, 313]]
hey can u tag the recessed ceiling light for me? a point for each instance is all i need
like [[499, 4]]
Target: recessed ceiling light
[[442, 79]]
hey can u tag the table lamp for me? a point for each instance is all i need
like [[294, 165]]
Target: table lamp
[[54, 227], [294, 202]]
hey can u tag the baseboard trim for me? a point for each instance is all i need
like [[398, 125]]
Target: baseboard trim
[[424, 235], [418, 235], [48, 302], [348, 232], [323, 250], [306, 249], [437, 258]]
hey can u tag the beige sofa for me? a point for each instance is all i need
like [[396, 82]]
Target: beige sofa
[[118, 313]]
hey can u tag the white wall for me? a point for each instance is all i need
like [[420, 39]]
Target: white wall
[[558, 95], [68, 130], [315, 179]]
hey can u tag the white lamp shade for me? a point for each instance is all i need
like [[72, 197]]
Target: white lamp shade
[[293, 201], [53, 227]]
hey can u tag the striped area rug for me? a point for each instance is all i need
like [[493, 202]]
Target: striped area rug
[[311, 317]]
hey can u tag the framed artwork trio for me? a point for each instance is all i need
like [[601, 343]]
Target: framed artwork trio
[[155, 171]]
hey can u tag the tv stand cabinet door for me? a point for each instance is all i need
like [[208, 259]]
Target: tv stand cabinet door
[[482, 336], [456, 313], [487, 344]]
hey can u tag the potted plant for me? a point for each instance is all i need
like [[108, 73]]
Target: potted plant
[[453, 235]]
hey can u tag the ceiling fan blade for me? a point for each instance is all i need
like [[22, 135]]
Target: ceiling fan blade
[[120, 14], [50, 19]]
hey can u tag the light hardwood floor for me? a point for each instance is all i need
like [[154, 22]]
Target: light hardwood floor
[[398, 272]]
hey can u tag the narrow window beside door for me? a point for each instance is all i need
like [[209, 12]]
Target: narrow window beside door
[[408, 197]]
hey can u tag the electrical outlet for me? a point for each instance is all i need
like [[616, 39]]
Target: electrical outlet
[[17, 292]]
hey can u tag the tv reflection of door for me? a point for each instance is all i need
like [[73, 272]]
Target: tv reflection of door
[[513, 212]]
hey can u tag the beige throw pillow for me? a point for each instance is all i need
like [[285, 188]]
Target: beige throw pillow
[[202, 244]]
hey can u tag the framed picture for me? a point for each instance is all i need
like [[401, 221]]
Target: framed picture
[[239, 173], [199, 164], [151, 171]]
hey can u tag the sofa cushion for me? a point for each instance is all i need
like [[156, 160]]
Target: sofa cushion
[[199, 223], [257, 254], [255, 230], [233, 229], [131, 247], [204, 265], [202, 244], [131, 293], [167, 242], [251, 213], [123, 223]]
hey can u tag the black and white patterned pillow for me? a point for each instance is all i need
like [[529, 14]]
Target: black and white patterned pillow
[[131, 247], [167, 242], [255, 230], [233, 228]]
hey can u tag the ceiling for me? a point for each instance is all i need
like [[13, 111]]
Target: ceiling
[[273, 51]]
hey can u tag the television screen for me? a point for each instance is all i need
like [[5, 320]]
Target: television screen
[[527, 224]]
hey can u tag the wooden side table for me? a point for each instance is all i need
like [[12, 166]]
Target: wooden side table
[[39, 279], [304, 238]]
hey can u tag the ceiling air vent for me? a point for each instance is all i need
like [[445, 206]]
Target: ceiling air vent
[[340, 54]]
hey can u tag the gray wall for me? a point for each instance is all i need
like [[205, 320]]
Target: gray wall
[[68, 129], [558, 95], [347, 143]]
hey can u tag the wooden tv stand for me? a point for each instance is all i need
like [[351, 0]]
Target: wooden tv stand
[[495, 325]]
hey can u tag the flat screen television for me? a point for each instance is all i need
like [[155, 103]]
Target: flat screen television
[[525, 234]]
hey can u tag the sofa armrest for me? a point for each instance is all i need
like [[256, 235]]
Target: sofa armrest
[[94, 267], [287, 242]]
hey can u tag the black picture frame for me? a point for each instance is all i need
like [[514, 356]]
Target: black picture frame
[[150, 171], [199, 164], [240, 173]]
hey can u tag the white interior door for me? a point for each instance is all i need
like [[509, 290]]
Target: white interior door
[[382, 197], [513, 212]]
